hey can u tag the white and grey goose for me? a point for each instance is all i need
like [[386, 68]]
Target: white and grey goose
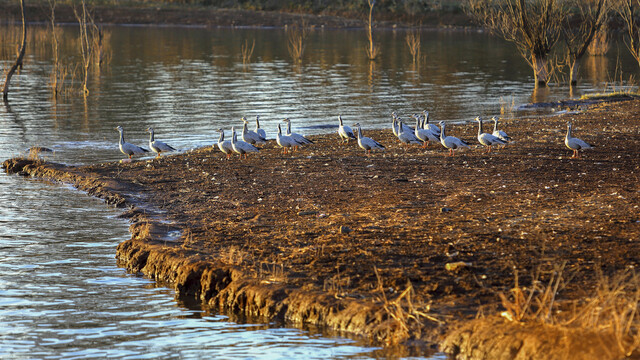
[[450, 142], [251, 137], [128, 148], [366, 143], [406, 136], [575, 144], [424, 135], [487, 139], [225, 145], [285, 141], [499, 133], [156, 145], [259, 131], [396, 123], [344, 131], [239, 146], [426, 125], [301, 140]]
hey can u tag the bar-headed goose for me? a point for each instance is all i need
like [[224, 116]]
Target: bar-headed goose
[[156, 145], [487, 139], [128, 148], [239, 146], [345, 132], [575, 144], [225, 145], [366, 143], [450, 142]]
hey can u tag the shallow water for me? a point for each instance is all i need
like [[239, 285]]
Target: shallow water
[[61, 293]]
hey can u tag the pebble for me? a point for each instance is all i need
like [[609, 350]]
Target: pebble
[[345, 229]]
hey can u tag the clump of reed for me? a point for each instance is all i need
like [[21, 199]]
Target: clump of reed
[[296, 38], [247, 51], [413, 42], [234, 255], [405, 317], [272, 272], [612, 308]]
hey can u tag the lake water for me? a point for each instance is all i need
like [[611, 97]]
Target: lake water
[[61, 293]]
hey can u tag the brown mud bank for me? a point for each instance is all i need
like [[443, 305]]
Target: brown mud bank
[[403, 247]]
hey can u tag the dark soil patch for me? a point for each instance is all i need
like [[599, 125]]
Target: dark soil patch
[[266, 236]]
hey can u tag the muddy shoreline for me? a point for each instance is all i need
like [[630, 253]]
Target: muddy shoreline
[[212, 17], [406, 246]]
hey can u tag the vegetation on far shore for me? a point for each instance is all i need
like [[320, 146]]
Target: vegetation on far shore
[[398, 10]]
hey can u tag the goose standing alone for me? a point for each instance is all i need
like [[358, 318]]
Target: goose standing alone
[[156, 145], [128, 148], [367, 144], [251, 137], [239, 146], [499, 133], [487, 139], [450, 142], [575, 144], [258, 130], [301, 140], [285, 141], [225, 145], [345, 132]]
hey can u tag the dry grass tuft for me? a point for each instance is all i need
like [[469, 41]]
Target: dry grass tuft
[[612, 309], [535, 303], [406, 316], [272, 273], [337, 284], [234, 256]]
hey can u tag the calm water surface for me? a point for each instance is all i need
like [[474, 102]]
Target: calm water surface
[[61, 293]]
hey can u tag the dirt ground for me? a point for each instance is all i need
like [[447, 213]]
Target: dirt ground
[[408, 228]]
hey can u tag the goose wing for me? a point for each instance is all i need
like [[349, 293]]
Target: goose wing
[[160, 146], [130, 149], [487, 139], [577, 144]]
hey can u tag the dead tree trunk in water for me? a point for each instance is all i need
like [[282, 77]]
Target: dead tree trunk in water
[[589, 18], [86, 43], [627, 9], [18, 63], [533, 26]]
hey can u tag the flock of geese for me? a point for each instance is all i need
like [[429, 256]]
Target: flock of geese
[[423, 133]]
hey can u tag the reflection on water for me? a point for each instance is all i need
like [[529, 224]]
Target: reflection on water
[[61, 295]]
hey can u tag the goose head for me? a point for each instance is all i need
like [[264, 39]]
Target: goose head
[[119, 128]]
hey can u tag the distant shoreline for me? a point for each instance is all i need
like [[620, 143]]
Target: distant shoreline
[[213, 17]]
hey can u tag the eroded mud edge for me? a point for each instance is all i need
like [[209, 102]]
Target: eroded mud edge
[[227, 288], [218, 285]]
